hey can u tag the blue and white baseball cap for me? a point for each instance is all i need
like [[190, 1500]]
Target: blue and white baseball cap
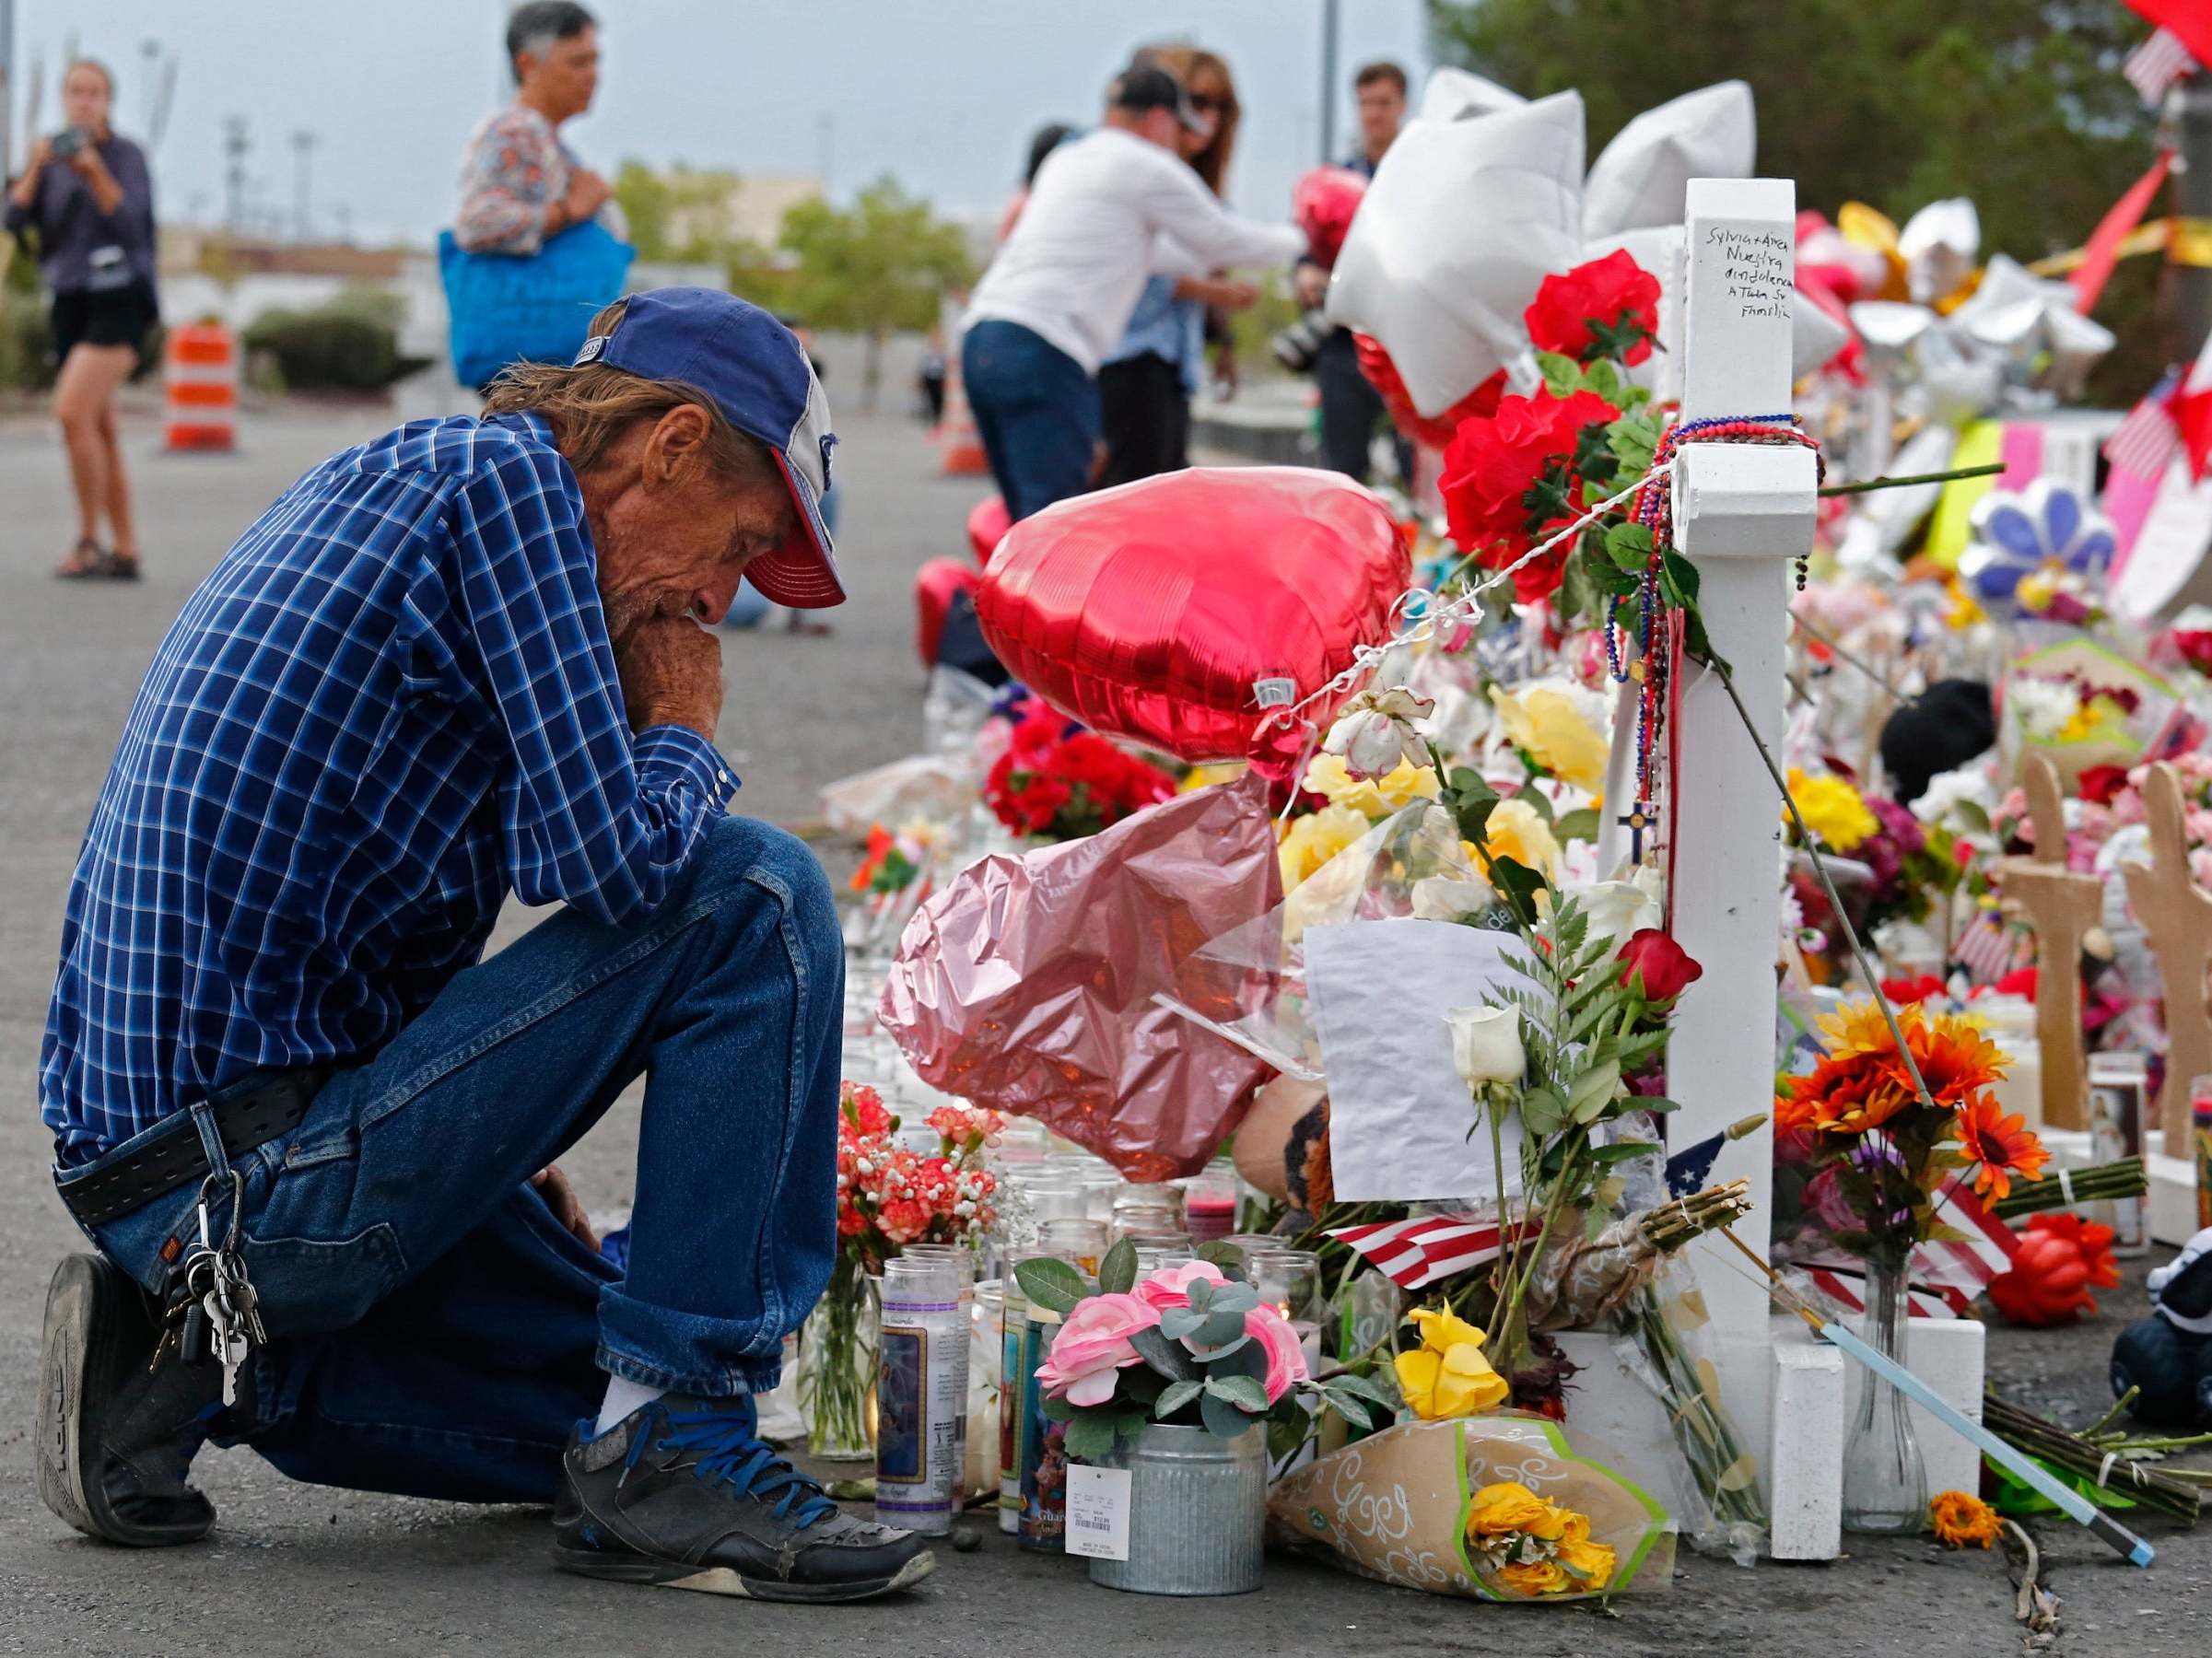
[[758, 375]]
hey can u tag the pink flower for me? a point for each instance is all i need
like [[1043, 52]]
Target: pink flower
[[1170, 1286], [1286, 1359], [1092, 1345]]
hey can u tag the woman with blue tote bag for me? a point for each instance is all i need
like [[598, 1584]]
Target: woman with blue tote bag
[[529, 260]]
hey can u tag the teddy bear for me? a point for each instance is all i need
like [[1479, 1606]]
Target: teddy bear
[[2167, 1356]]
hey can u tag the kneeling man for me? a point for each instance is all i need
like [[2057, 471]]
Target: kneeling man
[[311, 1135]]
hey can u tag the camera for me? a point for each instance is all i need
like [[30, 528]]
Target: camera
[[68, 142], [1296, 346]]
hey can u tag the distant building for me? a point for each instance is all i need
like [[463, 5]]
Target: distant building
[[716, 209]]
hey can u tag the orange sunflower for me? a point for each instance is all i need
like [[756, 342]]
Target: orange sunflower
[[1847, 1095], [1959, 1518], [2003, 1145], [1956, 1060]]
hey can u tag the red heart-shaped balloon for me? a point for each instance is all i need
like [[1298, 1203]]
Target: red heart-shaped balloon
[[1153, 611]]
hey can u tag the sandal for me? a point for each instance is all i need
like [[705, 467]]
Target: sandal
[[87, 561], [121, 567]]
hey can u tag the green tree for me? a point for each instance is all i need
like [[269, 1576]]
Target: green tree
[[674, 213], [878, 265], [2017, 104]]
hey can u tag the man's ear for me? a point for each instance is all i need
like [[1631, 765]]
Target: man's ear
[[677, 449]]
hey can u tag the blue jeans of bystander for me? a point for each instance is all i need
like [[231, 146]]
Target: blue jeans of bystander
[[1036, 410], [434, 1330]]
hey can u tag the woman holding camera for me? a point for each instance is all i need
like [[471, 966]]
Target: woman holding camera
[[88, 196]]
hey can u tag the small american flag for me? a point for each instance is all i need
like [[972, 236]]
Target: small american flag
[[1990, 948], [2146, 440], [1983, 1252], [2156, 64], [1845, 1282], [1414, 1254]]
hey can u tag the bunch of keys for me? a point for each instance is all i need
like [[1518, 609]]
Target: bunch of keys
[[220, 1320]]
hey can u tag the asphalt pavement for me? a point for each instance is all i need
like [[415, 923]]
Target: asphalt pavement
[[303, 1569]]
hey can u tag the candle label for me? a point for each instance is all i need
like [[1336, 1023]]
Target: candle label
[[1098, 1512]]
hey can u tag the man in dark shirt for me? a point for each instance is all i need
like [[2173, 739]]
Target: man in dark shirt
[[289, 1100], [1349, 406]]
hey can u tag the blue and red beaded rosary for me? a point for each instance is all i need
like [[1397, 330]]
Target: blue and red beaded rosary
[[1653, 508]]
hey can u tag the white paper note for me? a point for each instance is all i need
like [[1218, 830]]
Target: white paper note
[[2168, 547], [1098, 1512], [1398, 1113]]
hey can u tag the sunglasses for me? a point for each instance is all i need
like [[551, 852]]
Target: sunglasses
[[1206, 103]]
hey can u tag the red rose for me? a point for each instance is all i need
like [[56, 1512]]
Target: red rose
[[2101, 784], [1666, 968], [1607, 307], [1436, 430], [1508, 480]]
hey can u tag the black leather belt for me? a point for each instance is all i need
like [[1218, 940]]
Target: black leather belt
[[245, 1115]]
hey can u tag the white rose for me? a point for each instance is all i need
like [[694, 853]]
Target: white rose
[[1370, 743], [1486, 1044]]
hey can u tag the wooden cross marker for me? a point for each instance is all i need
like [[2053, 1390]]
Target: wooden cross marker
[[2177, 917], [2061, 906]]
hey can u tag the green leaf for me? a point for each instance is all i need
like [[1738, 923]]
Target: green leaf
[[1178, 1321], [1171, 1359], [1142, 1384], [1240, 1391], [1518, 885], [1090, 1435], [1221, 1331], [1682, 573], [1536, 800], [1562, 375], [1622, 1150], [1351, 1409], [1604, 379], [1057, 1410], [1286, 1434], [1232, 1297], [1628, 544], [1053, 1284], [1174, 1397], [1541, 1113], [1223, 1419], [1118, 1269], [1635, 440], [1246, 1358], [1225, 1256], [1366, 1387], [1593, 1092]]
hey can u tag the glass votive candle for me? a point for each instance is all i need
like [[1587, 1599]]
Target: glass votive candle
[[1288, 1280], [1073, 1239], [1210, 1200], [1143, 1210]]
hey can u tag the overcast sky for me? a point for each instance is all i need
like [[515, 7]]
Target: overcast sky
[[942, 93]]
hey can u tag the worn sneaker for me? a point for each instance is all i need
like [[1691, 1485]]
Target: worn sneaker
[[683, 1493], [118, 1429]]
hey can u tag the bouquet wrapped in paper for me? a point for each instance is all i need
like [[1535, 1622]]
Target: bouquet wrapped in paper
[[1505, 1507]]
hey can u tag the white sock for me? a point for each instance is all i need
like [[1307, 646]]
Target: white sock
[[623, 1395]]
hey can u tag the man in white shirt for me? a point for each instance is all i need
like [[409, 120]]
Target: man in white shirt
[[1107, 211]]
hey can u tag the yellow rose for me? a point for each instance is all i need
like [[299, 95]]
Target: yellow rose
[[1832, 808], [1516, 831], [1312, 841], [1377, 797], [1536, 1577], [1205, 776], [1551, 729], [1591, 1563], [1447, 1375], [1508, 1506]]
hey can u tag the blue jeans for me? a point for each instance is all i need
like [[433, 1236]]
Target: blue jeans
[[434, 1330], [1037, 411]]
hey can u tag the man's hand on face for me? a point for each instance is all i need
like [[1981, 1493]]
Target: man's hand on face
[[672, 673]]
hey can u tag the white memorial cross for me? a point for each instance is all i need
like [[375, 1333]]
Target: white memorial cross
[[1742, 512]]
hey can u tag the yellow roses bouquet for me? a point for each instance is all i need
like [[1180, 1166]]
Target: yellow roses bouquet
[[1536, 1547]]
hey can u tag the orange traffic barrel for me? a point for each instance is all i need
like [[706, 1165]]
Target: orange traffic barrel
[[959, 446], [200, 373]]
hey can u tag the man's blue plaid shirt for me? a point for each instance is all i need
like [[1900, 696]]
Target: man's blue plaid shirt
[[392, 702]]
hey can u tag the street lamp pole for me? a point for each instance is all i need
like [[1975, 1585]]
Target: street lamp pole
[[1329, 81], [2189, 111]]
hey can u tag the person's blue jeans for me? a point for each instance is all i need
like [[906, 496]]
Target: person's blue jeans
[[434, 1330], [1037, 411]]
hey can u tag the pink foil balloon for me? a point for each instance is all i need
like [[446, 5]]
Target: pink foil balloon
[[1150, 612]]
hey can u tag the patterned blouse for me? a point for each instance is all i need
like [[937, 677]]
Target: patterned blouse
[[515, 165]]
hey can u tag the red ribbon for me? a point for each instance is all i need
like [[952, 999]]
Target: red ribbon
[[2103, 250]]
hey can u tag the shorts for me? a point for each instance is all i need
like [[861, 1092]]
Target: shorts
[[121, 316]]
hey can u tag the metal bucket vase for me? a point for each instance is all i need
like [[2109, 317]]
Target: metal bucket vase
[[1198, 1512]]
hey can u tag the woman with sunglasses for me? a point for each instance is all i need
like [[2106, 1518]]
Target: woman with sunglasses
[[1146, 384]]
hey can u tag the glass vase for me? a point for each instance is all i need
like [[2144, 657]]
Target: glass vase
[[837, 1367], [1885, 1481]]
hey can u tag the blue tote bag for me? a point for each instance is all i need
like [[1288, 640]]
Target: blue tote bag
[[506, 307]]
